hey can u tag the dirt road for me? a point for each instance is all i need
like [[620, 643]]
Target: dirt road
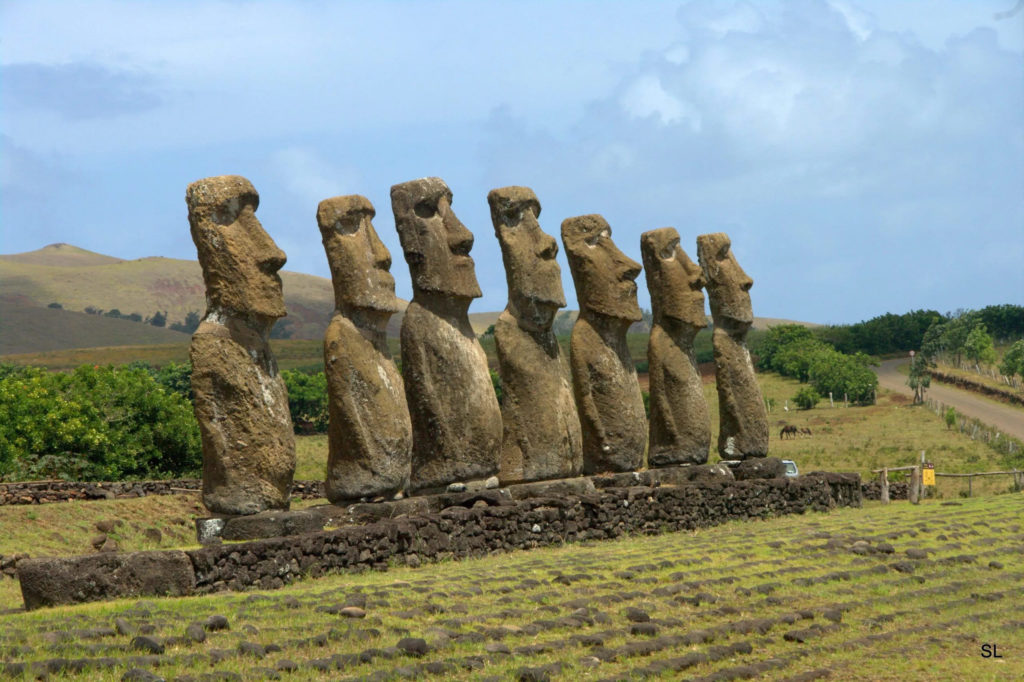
[[1008, 419]]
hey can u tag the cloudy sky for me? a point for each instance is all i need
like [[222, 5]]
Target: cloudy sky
[[865, 156]]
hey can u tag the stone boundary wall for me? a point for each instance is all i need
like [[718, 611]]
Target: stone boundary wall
[[454, 533], [978, 387], [44, 492], [872, 490]]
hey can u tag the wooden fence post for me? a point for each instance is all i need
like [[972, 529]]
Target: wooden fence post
[[914, 494], [970, 486], [884, 481]]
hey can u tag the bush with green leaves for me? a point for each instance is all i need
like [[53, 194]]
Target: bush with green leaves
[[1013, 360], [95, 423], [806, 398], [844, 375], [307, 398]]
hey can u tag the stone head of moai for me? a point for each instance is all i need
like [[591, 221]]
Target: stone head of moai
[[674, 281], [728, 286], [239, 259], [534, 278], [435, 242], [605, 277], [360, 263]]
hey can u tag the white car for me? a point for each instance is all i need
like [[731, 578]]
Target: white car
[[791, 468]]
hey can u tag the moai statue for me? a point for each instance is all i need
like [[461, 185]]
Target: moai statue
[[604, 379], [743, 422], [241, 402], [542, 436], [369, 437], [456, 421], [680, 429]]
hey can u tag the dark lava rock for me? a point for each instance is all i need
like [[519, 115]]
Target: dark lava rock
[[915, 553], [196, 632], [413, 646], [140, 675], [145, 643], [635, 615], [216, 622], [108, 525], [903, 567], [997, 565], [287, 665], [251, 649], [643, 629], [834, 615]]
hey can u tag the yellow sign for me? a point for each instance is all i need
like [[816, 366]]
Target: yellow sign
[[928, 474]]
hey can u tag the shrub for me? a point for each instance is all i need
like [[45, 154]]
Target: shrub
[[806, 398], [95, 423], [307, 398]]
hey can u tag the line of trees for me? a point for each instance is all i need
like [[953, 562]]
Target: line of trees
[[157, 319], [795, 351], [892, 333]]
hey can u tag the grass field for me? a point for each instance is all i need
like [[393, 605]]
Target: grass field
[[880, 593]]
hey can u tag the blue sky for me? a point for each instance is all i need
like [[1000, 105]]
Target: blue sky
[[864, 156]]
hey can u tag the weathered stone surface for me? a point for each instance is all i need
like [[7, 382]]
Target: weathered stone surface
[[762, 467], [370, 435], [241, 402], [743, 421], [271, 524], [69, 580], [680, 427], [456, 420], [542, 437], [607, 393]]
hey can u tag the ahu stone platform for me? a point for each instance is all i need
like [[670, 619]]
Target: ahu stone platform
[[474, 523]]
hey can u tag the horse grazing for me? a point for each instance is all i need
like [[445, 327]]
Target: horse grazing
[[805, 431], [788, 430]]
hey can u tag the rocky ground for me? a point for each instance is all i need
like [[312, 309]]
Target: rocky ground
[[896, 592]]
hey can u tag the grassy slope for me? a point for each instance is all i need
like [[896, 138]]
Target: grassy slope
[[76, 279], [29, 328], [861, 619]]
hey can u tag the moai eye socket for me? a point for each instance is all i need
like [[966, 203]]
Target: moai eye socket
[[668, 252], [348, 224], [595, 237], [511, 216], [426, 209]]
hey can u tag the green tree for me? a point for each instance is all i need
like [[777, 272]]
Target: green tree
[[1013, 360], [55, 305], [950, 417], [920, 377], [190, 324], [978, 347], [806, 398], [159, 319], [776, 339]]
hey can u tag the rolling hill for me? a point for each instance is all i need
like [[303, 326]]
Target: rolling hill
[[78, 280]]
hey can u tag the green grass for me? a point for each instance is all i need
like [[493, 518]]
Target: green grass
[[786, 575]]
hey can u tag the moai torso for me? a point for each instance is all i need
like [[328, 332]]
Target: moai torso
[[605, 386], [680, 429], [456, 421], [369, 435], [241, 402], [743, 421], [541, 437]]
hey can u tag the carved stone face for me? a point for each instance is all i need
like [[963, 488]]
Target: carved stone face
[[605, 277], [359, 261], [435, 242], [728, 286], [534, 278], [239, 259], [674, 281]]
